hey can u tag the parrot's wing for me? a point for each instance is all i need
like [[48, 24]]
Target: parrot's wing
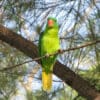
[[39, 44]]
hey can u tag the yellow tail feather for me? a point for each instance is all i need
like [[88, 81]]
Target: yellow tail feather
[[47, 81]]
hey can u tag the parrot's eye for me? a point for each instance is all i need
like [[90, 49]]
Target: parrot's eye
[[55, 20]]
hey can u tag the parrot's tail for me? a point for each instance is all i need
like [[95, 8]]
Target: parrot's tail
[[47, 81]]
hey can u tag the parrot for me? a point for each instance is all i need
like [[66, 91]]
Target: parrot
[[49, 43]]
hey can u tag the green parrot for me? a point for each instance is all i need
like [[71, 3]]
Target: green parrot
[[48, 43]]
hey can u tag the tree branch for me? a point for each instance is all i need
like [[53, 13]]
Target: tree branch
[[63, 72], [58, 52]]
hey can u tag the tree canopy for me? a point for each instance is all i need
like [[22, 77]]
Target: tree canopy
[[78, 65]]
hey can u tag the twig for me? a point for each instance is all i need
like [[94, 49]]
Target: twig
[[48, 55]]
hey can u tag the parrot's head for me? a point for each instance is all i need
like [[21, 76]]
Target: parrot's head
[[52, 22]]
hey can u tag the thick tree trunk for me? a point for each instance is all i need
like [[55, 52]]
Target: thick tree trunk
[[63, 72]]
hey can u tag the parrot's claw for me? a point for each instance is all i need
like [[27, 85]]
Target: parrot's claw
[[47, 55], [60, 51]]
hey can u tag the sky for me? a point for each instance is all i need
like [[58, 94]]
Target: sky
[[66, 25]]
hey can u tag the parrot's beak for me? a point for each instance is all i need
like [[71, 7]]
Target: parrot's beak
[[50, 23]]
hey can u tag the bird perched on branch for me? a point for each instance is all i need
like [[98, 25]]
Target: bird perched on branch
[[48, 43]]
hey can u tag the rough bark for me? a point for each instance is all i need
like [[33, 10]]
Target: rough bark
[[68, 76]]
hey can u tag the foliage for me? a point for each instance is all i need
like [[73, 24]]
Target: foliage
[[79, 22], [92, 75]]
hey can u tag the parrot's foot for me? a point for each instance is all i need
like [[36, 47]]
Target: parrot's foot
[[47, 55], [60, 51]]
